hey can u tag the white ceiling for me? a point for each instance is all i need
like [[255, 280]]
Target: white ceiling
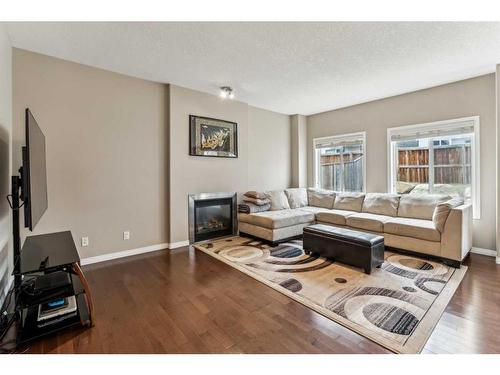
[[285, 67]]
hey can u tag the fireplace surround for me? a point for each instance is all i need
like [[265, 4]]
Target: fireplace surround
[[212, 215]]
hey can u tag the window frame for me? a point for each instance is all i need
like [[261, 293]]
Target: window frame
[[347, 137], [440, 125]]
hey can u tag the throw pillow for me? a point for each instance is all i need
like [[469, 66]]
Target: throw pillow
[[255, 194], [420, 206], [404, 187], [258, 202], [297, 197], [349, 201], [278, 200], [442, 211], [381, 204], [320, 198]]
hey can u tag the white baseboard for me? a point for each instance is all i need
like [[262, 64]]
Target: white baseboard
[[127, 253], [498, 260], [124, 253], [175, 245], [481, 251]]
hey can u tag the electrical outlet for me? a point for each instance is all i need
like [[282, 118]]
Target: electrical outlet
[[85, 241], [126, 235]]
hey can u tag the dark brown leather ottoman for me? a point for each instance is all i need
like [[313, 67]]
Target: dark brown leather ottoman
[[358, 249]]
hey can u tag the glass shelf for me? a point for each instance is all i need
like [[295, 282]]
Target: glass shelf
[[73, 289], [29, 329], [46, 252]]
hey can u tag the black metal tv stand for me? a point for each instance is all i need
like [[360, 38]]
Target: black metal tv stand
[[42, 255]]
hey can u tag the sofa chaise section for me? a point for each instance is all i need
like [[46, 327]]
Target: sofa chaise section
[[276, 225]]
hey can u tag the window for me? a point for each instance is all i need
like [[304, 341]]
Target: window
[[436, 158], [339, 162]]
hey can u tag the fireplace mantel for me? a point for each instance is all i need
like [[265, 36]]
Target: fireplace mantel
[[212, 215]]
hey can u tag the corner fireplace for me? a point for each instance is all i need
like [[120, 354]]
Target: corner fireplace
[[211, 215]]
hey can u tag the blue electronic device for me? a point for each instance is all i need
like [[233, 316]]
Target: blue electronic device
[[56, 303]]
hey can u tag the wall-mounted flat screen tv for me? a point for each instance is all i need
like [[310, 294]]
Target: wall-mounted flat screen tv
[[34, 173]]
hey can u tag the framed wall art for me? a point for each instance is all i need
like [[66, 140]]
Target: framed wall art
[[212, 137]]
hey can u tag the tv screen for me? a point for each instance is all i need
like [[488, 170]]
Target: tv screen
[[34, 173]]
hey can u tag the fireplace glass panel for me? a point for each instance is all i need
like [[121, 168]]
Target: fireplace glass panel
[[213, 218]]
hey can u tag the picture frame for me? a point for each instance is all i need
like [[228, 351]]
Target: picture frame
[[212, 137]]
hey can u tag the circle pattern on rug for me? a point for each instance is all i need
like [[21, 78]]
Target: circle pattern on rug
[[286, 251], [242, 253], [292, 285], [409, 289], [417, 264], [412, 268], [430, 285], [390, 318], [340, 280]]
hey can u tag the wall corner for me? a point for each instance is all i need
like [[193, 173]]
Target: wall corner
[[298, 124], [497, 114]]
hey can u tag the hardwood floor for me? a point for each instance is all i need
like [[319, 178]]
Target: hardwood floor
[[179, 302]]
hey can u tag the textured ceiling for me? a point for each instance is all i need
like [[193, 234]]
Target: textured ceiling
[[285, 67]]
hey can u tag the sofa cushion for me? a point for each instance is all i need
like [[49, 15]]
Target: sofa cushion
[[278, 219], [442, 211], [278, 200], [381, 204], [369, 222], [349, 201], [416, 228], [314, 209], [419, 206], [297, 197], [320, 198], [336, 217]]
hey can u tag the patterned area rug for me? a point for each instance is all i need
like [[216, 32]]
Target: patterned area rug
[[397, 306]]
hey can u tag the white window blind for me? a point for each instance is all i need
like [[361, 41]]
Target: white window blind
[[339, 141], [439, 130]]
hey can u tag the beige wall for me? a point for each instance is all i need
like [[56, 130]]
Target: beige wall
[[106, 139], [261, 163], [269, 159], [117, 152], [459, 99], [6, 255]]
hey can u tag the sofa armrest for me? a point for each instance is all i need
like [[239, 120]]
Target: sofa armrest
[[456, 239]]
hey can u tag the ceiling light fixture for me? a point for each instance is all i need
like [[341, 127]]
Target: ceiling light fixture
[[226, 92]]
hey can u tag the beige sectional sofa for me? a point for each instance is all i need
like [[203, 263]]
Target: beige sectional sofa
[[436, 225]]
